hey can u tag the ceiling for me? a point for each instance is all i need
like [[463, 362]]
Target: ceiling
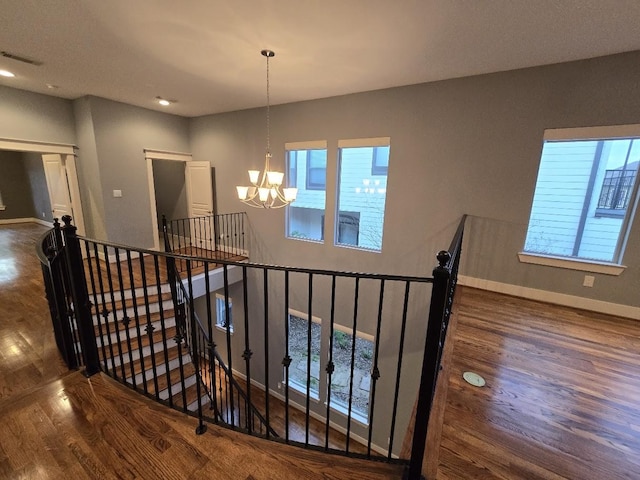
[[206, 53]]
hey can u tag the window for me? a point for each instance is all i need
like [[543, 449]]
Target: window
[[307, 165], [221, 313], [299, 353], [380, 163], [584, 200], [616, 190], [341, 379], [362, 191], [316, 169]]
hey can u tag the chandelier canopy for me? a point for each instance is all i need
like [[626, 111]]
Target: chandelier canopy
[[266, 189]]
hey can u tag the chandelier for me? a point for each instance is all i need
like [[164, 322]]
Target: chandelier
[[266, 187]]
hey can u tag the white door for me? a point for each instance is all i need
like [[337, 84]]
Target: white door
[[197, 177], [62, 184]]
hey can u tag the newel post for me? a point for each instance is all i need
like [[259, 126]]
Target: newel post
[[80, 295], [430, 367]]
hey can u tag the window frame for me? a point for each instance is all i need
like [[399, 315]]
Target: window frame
[[292, 383], [616, 266], [310, 185], [338, 406], [221, 306], [307, 199], [379, 169], [374, 144]]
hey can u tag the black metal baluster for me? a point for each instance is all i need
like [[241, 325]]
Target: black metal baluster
[[96, 306], [266, 350], [403, 328], [375, 373], [210, 344], [247, 354], [136, 319], [104, 312], [149, 328], [309, 336], [286, 361], [330, 365], [114, 310], [353, 356], [163, 329], [125, 319]]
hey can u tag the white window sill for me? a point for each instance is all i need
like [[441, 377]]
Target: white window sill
[[224, 329], [344, 410], [572, 264]]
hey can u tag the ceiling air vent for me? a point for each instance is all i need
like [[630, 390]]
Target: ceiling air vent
[[18, 58]]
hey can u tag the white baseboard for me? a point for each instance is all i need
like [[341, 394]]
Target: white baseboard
[[574, 301], [39, 221]]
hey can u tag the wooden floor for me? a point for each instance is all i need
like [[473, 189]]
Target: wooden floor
[[562, 401], [562, 398]]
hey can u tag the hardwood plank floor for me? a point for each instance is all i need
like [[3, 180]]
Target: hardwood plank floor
[[562, 393], [28, 353]]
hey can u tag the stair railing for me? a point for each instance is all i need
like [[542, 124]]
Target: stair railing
[[120, 334], [227, 398]]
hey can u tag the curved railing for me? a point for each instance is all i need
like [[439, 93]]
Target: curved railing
[[126, 314]]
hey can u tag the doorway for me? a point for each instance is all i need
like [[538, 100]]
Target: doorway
[[60, 177], [189, 194]]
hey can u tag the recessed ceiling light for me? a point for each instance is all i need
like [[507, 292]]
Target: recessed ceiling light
[[6, 73], [164, 102], [51, 86]]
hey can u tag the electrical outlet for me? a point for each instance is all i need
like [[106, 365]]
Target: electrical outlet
[[279, 385], [588, 281], [117, 193]]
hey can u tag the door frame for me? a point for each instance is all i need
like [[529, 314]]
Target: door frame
[[70, 151], [150, 155]]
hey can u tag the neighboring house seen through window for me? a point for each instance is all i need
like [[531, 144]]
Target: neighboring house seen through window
[[306, 164], [585, 195], [362, 192]]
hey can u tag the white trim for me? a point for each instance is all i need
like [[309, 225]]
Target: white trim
[[587, 133], [37, 147], [311, 145], [3, 207], [571, 263], [9, 221], [164, 155], [317, 416], [364, 142], [150, 155], [574, 301], [74, 193]]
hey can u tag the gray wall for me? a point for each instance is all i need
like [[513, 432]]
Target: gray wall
[[38, 183], [36, 117], [15, 187], [121, 133], [171, 192], [469, 145]]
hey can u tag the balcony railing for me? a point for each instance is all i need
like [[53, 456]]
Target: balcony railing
[[138, 321]]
